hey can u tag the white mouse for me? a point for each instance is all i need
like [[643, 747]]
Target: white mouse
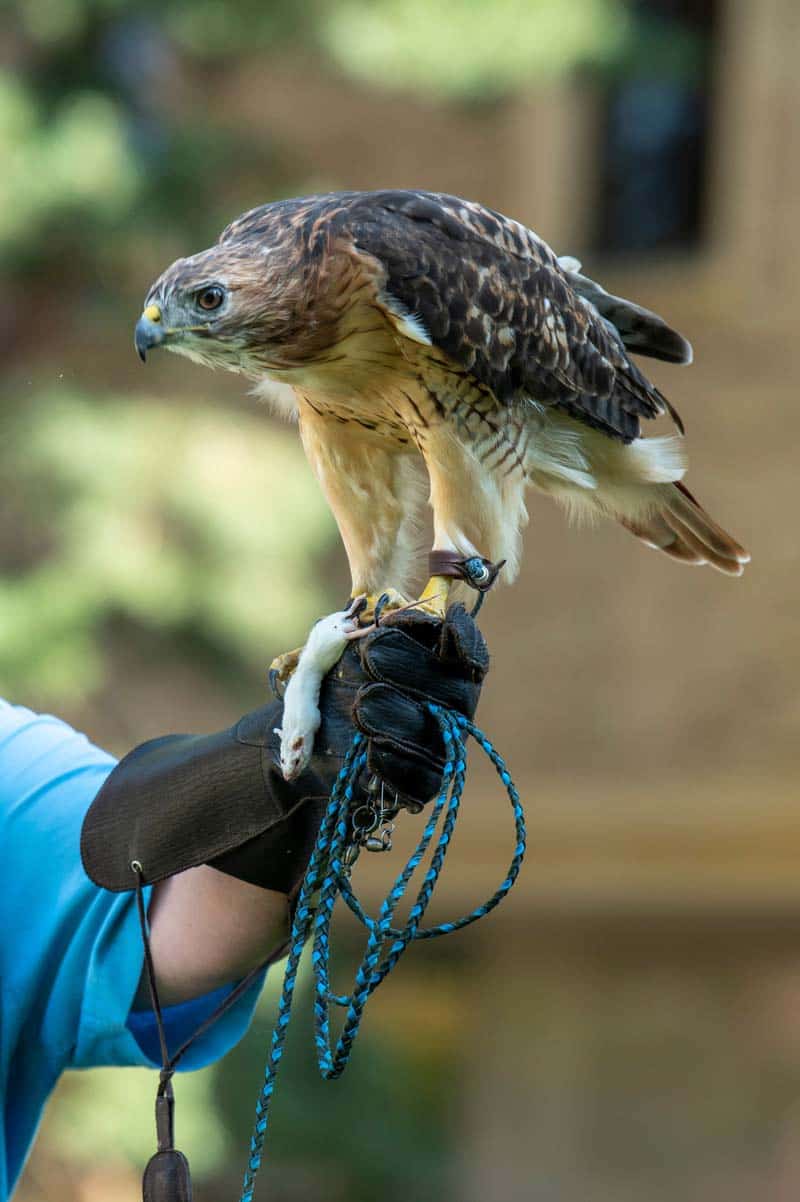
[[301, 716]]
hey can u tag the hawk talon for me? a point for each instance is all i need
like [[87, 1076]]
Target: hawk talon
[[380, 606], [281, 670], [355, 610], [356, 605], [387, 600], [391, 602]]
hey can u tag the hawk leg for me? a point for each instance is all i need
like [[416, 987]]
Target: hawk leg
[[472, 507], [434, 596], [372, 489]]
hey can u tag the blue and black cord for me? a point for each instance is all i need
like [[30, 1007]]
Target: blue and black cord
[[328, 876]]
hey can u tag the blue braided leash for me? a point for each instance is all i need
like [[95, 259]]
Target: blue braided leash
[[328, 875]]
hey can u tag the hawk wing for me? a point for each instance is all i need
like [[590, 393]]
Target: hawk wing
[[493, 297]]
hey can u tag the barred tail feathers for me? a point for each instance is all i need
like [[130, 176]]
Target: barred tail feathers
[[680, 527], [638, 484]]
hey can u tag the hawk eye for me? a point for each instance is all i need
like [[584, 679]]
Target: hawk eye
[[210, 298]]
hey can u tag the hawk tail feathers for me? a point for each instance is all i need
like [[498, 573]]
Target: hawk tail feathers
[[637, 483], [679, 526]]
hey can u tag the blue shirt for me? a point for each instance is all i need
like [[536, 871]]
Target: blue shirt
[[70, 953]]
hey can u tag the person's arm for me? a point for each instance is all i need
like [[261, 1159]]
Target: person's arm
[[226, 840], [208, 928]]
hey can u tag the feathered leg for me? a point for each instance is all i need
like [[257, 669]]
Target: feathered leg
[[477, 497], [371, 488]]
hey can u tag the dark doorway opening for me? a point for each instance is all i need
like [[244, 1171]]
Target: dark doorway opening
[[657, 129]]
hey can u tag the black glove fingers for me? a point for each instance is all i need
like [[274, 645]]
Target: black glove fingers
[[455, 639], [413, 776], [390, 655], [463, 643], [406, 749], [381, 712]]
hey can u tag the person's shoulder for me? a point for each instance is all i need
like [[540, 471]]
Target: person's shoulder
[[38, 750], [22, 726]]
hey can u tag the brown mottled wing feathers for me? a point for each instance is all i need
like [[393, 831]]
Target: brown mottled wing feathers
[[493, 298], [490, 294]]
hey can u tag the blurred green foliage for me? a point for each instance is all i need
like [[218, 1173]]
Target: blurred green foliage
[[79, 157], [186, 518], [82, 126], [466, 48]]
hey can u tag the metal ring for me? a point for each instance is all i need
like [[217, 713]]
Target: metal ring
[[364, 827]]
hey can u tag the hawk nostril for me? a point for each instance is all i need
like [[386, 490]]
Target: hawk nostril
[[152, 313]]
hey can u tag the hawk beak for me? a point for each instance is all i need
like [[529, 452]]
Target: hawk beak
[[149, 331]]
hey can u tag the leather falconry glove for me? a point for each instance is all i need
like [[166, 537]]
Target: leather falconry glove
[[182, 800]]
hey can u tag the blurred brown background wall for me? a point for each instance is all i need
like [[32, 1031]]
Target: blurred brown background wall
[[628, 1025]]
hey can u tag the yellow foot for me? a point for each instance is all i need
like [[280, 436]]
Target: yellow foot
[[385, 602], [433, 599], [281, 669]]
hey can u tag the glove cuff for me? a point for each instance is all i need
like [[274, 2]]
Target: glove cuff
[[182, 800]]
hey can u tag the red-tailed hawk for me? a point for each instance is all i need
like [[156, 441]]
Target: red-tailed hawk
[[415, 329]]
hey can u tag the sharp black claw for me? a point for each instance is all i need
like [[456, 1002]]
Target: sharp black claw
[[380, 606], [357, 608], [275, 683]]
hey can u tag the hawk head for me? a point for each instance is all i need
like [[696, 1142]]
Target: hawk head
[[228, 306]]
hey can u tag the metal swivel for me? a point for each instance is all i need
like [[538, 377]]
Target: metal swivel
[[477, 570]]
